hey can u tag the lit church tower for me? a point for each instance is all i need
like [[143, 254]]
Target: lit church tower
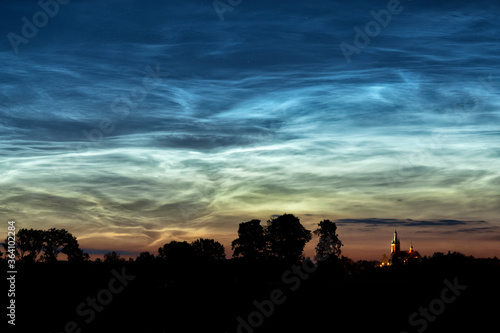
[[397, 256], [395, 243]]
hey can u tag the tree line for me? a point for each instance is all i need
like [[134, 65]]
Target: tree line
[[45, 245], [282, 238]]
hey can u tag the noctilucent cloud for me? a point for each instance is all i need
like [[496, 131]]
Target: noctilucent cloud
[[134, 123]]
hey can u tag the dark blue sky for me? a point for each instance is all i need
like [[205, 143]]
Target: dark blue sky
[[132, 123]]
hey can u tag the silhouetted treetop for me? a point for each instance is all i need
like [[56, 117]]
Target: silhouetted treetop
[[287, 237], [30, 243], [329, 243], [251, 242], [208, 249], [205, 249], [145, 257], [176, 251], [113, 257]]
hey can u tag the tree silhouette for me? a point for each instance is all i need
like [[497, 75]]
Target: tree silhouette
[[208, 249], [287, 237], [251, 242], [29, 244], [72, 250], [176, 251], [56, 241], [329, 243], [113, 257], [145, 257]]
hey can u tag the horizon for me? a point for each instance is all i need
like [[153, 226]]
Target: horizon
[[372, 251], [134, 124]]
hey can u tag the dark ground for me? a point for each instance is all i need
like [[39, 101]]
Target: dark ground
[[209, 297]]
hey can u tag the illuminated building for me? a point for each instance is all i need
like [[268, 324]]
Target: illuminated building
[[398, 256]]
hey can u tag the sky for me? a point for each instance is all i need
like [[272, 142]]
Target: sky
[[135, 123]]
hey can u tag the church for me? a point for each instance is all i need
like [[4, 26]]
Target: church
[[398, 256]]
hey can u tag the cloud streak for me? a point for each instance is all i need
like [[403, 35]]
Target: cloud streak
[[410, 222]]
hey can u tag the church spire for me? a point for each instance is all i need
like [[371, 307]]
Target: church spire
[[395, 243], [395, 239]]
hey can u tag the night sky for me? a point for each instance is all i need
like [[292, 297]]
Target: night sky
[[134, 123]]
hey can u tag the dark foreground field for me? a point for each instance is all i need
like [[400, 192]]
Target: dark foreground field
[[447, 294]]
